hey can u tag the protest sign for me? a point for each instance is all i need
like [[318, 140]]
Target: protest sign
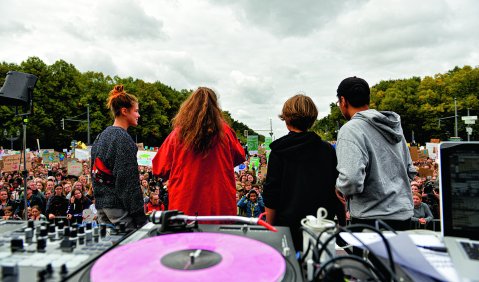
[[264, 171], [414, 153], [30, 156], [88, 215], [11, 162], [432, 149], [82, 154], [267, 141], [423, 154], [50, 157], [145, 158], [29, 163], [74, 168], [253, 163], [252, 144], [425, 171]]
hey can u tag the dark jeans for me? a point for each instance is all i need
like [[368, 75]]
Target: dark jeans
[[114, 216]]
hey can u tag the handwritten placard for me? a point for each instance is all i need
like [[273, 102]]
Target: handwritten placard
[[11, 162], [74, 168], [145, 158], [414, 153]]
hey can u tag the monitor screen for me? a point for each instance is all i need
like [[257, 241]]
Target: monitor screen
[[459, 166]]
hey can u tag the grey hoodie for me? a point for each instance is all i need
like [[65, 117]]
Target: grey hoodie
[[375, 167]]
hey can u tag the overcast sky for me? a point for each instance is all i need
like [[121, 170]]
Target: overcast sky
[[254, 53]]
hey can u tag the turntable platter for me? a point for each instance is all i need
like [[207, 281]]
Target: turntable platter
[[191, 257]]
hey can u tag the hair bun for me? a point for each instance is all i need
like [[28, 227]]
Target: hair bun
[[118, 88], [116, 91]]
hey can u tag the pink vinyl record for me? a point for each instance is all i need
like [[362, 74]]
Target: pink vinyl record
[[216, 257]]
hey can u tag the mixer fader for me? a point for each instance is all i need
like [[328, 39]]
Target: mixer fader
[[43, 251]]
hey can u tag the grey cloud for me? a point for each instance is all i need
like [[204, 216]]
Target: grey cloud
[[120, 20], [289, 18], [177, 68], [74, 29], [253, 89], [95, 60], [384, 34], [126, 19], [11, 27], [186, 67]]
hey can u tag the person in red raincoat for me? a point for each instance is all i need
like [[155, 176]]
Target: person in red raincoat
[[198, 158]]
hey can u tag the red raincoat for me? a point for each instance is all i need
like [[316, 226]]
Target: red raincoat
[[197, 183]]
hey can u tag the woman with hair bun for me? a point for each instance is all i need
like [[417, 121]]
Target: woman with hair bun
[[115, 167], [198, 158]]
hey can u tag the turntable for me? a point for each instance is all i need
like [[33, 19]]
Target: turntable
[[174, 247]]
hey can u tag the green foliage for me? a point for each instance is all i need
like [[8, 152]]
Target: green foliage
[[421, 103], [63, 92]]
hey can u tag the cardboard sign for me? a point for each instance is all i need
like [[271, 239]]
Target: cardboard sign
[[140, 146], [264, 171], [30, 157], [29, 164], [423, 154], [145, 158], [75, 168], [425, 172], [11, 163], [414, 153]]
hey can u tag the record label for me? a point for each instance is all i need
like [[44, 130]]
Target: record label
[[191, 257]]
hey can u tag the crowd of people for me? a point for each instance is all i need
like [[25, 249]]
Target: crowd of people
[[50, 193], [425, 189], [53, 194], [50, 190]]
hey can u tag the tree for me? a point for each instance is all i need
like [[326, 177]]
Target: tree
[[63, 92]]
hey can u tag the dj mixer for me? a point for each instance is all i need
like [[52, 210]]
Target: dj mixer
[[34, 251], [172, 247]]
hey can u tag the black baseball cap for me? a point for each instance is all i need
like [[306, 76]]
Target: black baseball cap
[[352, 85]]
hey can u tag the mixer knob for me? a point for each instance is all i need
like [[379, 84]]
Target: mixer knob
[[16, 245], [41, 245]]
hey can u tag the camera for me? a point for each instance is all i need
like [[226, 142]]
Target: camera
[[428, 187]]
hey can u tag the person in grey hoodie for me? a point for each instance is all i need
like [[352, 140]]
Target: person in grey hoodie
[[374, 164]]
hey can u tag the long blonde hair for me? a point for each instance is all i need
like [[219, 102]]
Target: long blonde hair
[[199, 120]]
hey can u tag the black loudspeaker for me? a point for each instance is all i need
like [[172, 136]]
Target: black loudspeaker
[[17, 89]]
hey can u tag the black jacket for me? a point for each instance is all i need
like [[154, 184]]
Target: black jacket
[[58, 206], [301, 178]]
